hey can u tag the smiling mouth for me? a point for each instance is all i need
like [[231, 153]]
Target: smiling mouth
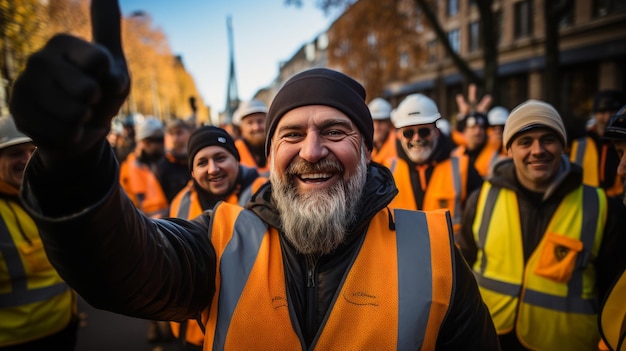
[[217, 179], [315, 177]]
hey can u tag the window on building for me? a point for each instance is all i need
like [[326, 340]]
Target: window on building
[[568, 17], [452, 7], [499, 25], [404, 60], [372, 41], [523, 19], [475, 40], [432, 51], [454, 36], [607, 7]]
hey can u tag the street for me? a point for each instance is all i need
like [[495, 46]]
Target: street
[[106, 331]]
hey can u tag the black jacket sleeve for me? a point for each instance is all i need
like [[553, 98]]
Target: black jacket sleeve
[[115, 257], [468, 324]]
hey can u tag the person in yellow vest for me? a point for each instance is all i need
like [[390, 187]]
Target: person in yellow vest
[[426, 176], [138, 174], [544, 247], [217, 176], [384, 136], [595, 154], [38, 310], [250, 119], [316, 260], [612, 319]]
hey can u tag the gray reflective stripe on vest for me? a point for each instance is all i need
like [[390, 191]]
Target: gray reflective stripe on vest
[[185, 205], [580, 151], [235, 267], [20, 294], [492, 195], [392, 166], [414, 278], [456, 178], [573, 302], [244, 196]]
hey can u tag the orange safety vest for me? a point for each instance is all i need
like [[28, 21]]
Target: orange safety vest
[[142, 187], [247, 159], [584, 152], [387, 151], [613, 317], [485, 160], [446, 188], [375, 308], [186, 205]]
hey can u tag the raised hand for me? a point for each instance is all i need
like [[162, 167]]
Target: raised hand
[[71, 89], [470, 104]]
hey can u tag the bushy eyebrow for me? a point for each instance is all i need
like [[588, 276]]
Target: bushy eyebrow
[[327, 124]]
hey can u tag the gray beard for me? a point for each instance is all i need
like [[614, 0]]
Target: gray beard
[[317, 222]]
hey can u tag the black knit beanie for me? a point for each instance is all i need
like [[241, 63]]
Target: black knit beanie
[[322, 86], [209, 136]]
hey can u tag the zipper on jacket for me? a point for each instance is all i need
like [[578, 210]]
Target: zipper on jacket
[[311, 262], [311, 298]]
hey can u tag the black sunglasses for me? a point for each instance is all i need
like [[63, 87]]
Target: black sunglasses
[[422, 132]]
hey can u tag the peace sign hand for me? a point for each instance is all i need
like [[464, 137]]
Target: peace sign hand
[[71, 89]]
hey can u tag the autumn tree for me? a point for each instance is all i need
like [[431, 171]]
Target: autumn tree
[[365, 43]]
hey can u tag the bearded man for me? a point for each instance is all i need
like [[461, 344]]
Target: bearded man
[[427, 177], [317, 261]]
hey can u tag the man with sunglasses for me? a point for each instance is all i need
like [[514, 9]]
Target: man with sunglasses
[[426, 177]]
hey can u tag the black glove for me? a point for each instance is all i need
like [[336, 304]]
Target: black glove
[[71, 89]]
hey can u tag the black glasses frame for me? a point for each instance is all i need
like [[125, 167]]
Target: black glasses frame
[[423, 132]]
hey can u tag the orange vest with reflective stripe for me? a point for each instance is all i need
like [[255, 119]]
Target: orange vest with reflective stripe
[[186, 205], [446, 188], [485, 160], [143, 188], [374, 309]]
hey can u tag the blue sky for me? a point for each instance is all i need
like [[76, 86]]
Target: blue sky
[[264, 34]]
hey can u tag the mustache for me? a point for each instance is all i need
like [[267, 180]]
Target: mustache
[[302, 166], [419, 143]]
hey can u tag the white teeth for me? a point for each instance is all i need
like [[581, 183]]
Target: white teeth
[[216, 179], [316, 176]]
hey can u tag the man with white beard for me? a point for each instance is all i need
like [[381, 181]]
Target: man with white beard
[[316, 261], [426, 176]]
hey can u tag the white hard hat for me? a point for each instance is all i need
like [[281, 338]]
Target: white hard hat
[[444, 126], [380, 109], [150, 127], [497, 116], [9, 135], [247, 108], [415, 109]]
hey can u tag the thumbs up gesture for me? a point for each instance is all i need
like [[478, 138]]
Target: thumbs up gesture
[[71, 89]]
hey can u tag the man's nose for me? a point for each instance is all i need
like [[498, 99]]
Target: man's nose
[[313, 148]]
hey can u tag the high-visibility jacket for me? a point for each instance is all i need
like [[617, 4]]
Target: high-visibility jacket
[[378, 305], [584, 152], [485, 160], [142, 187], [186, 205], [446, 188], [246, 158], [613, 316], [550, 300], [34, 301], [387, 151]]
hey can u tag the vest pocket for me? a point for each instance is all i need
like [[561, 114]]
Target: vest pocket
[[558, 257], [34, 256]]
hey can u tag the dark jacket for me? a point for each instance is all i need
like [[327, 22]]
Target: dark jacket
[[125, 262]]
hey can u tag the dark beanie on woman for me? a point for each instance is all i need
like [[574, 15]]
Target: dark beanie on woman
[[209, 136], [322, 86]]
